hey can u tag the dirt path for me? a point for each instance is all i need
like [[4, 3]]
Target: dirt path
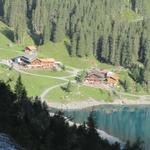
[[139, 97], [64, 78], [73, 71], [44, 94]]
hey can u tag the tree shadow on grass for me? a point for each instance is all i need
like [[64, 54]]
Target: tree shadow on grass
[[63, 88], [8, 33], [1, 8], [37, 38], [68, 47]]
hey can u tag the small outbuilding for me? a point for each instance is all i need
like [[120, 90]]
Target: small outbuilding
[[30, 49], [112, 78]]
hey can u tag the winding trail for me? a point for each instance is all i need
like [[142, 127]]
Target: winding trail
[[73, 71], [39, 75], [44, 94], [64, 78]]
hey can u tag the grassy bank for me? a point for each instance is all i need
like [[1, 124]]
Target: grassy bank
[[59, 52], [50, 73], [34, 85], [79, 93]]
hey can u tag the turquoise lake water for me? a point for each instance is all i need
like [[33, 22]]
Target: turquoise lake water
[[124, 122]]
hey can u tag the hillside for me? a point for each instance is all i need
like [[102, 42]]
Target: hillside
[[4, 41], [112, 36], [112, 32], [8, 48], [74, 55], [58, 50]]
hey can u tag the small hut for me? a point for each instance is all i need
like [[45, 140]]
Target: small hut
[[30, 49]]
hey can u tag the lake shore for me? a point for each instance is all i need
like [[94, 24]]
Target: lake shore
[[93, 103]]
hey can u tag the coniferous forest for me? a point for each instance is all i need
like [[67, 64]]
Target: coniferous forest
[[114, 31]]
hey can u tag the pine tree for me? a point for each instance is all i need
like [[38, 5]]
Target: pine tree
[[73, 45], [20, 90], [1, 8], [81, 45], [146, 75], [59, 33], [46, 34], [19, 23], [69, 87]]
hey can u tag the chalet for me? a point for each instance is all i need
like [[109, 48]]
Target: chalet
[[30, 49], [25, 59], [97, 77], [42, 63], [30, 60]]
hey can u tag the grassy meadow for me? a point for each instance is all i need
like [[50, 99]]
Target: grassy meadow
[[79, 93], [34, 85]]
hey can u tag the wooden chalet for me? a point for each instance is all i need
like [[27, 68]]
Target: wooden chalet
[[30, 49], [97, 77], [30, 60], [25, 59], [42, 63], [112, 78]]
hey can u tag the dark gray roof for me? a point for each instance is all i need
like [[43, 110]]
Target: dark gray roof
[[29, 58], [96, 72]]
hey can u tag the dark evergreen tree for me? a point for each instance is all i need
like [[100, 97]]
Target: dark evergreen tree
[[19, 23], [20, 90]]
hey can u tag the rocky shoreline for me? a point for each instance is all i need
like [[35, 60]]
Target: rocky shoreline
[[92, 103]]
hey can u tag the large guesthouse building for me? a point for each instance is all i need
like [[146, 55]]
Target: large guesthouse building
[[30, 60]]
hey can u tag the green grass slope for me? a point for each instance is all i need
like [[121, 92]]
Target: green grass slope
[[35, 86], [79, 93], [8, 48], [60, 53], [4, 41]]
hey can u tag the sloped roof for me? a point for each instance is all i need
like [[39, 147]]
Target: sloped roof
[[112, 75], [48, 60], [29, 58], [32, 47], [96, 72], [102, 74]]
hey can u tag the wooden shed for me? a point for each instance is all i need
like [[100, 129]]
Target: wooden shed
[[30, 49]]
